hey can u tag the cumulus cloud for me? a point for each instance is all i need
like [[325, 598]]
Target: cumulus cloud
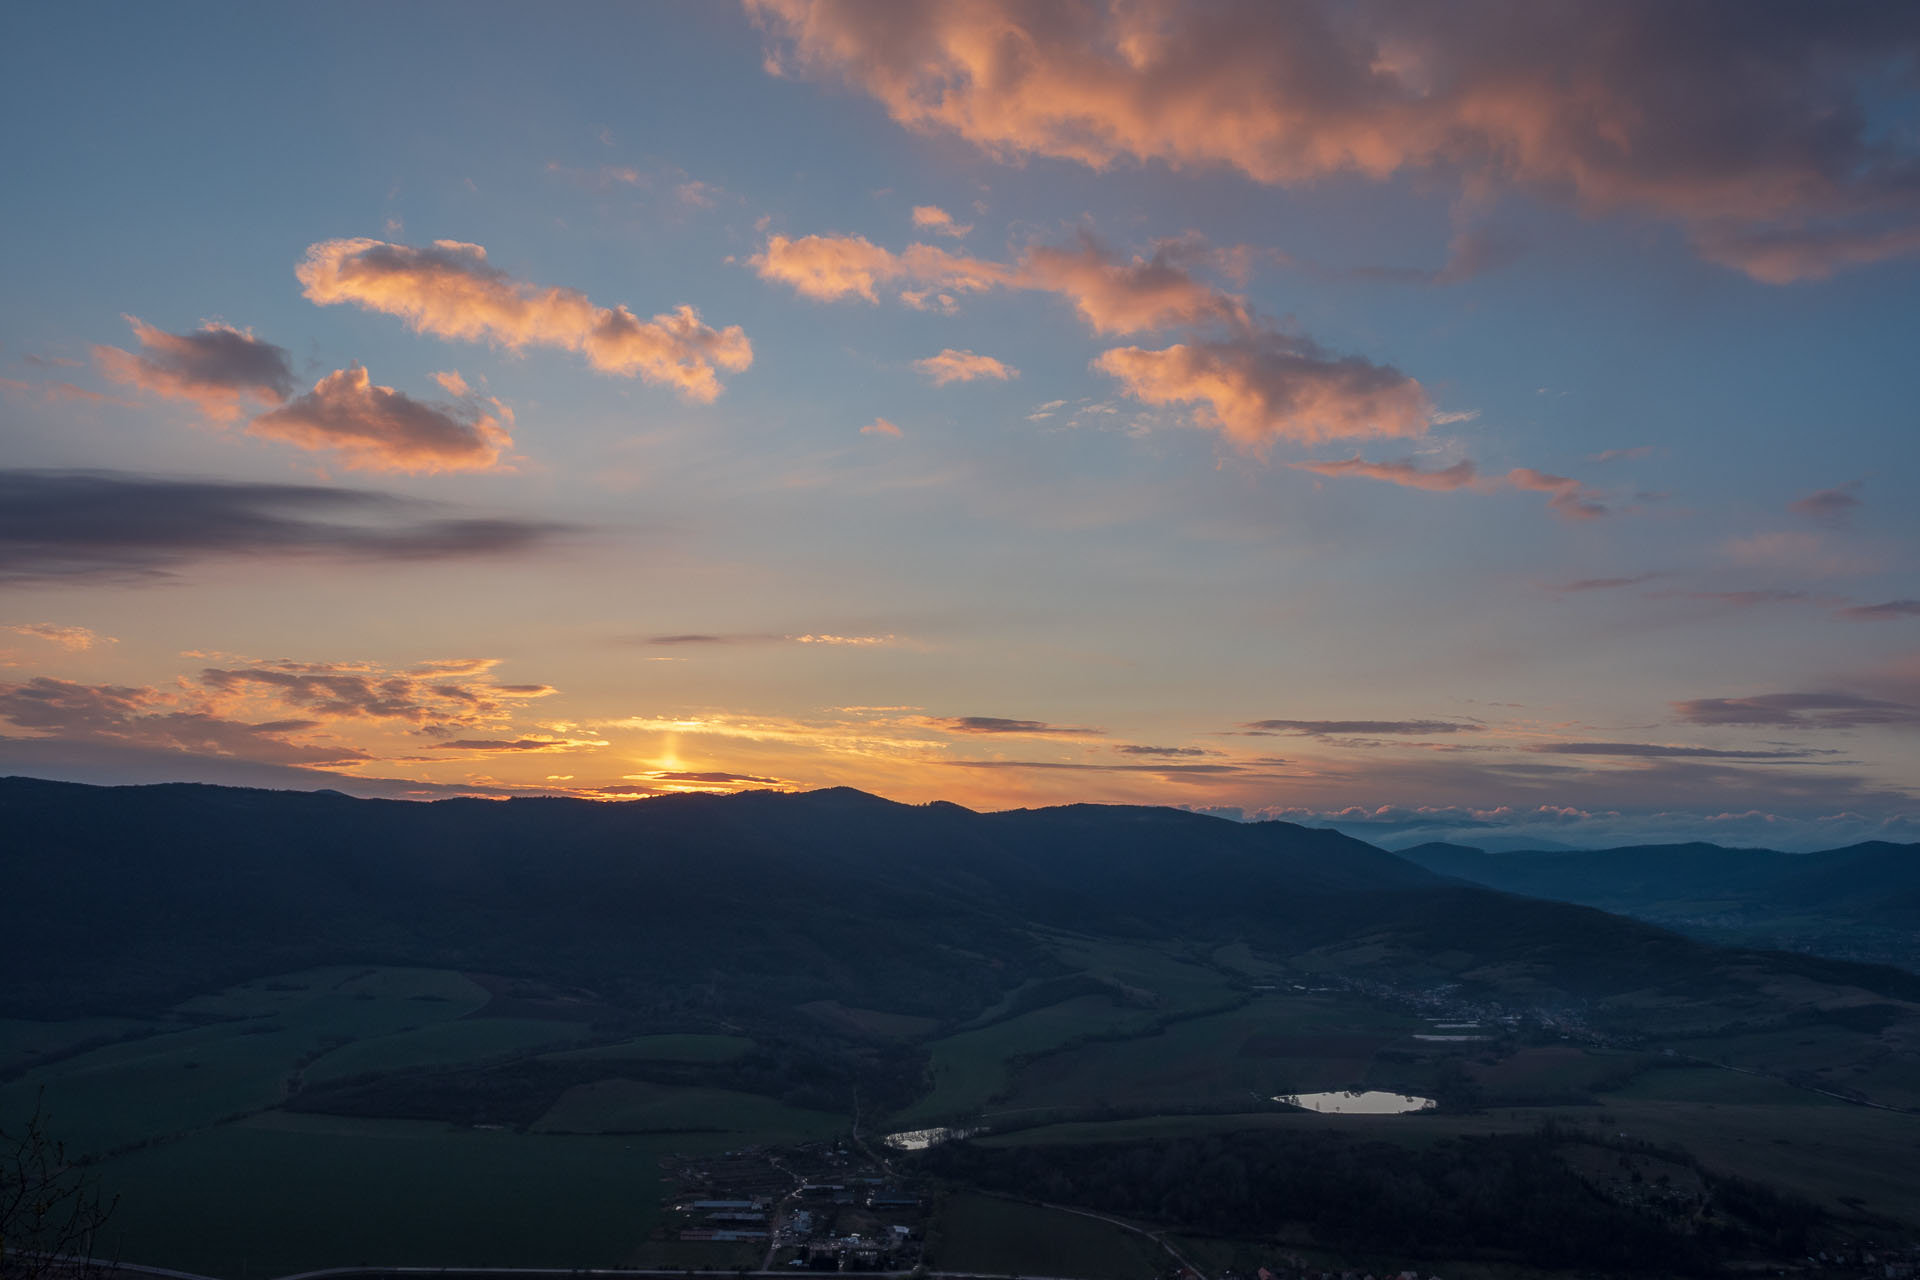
[[831, 268], [1347, 728], [217, 368], [1263, 388], [1018, 728], [932, 218], [963, 366], [88, 526], [1827, 710], [450, 290], [1759, 132], [72, 639], [375, 428], [1140, 295]]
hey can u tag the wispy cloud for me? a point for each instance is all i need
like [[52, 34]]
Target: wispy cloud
[[89, 526]]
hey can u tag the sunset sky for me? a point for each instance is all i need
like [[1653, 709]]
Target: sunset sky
[[1447, 421]]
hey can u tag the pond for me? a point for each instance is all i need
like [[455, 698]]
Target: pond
[[1360, 1102], [921, 1139]]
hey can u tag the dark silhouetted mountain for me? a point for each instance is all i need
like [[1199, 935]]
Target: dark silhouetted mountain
[[1861, 901], [126, 897]]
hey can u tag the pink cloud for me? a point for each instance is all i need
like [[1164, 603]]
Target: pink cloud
[[929, 217], [880, 427], [376, 428], [217, 368], [1566, 496], [963, 366], [1267, 387], [1756, 133], [450, 290], [1460, 475]]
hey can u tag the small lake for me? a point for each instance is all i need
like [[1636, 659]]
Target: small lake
[[1364, 1102], [921, 1139]]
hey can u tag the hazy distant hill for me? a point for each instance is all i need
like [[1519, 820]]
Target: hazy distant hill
[[1860, 902], [132, 896]]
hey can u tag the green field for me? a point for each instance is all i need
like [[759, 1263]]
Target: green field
[[281, 1193], [1276, 1044], [631, 1106], [985, 1234]]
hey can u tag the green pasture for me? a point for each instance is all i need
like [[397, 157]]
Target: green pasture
[[282, 1193], [993, 1236], [23, 1042], [971, 1067], [631, 1106], [445, 1044], [232, 1052]]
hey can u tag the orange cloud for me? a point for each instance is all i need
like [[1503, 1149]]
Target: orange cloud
[[1760, 137], [1111, 295], [376, 428], [450, 290], [963, 366], [72, 639], [217, 368], [1408, 473], [1267, 387], [880, 427], [933, 218], [828, 268]]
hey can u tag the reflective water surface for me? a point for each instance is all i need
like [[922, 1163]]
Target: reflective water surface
[[1362, 1102], [921, 1139]]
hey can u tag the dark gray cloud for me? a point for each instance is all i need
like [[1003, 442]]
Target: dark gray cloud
[[72, 526], [1344, 728], [1799, 710], [711, 778], [1886, 611], [216, 367], [1167, 752], [1606, 584], [1023, 728], [1656, 751], [1163, 770], [149, 718]]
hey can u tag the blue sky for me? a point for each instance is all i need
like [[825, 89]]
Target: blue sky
[[1601, 349]]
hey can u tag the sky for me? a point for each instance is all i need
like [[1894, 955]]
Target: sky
[[1466, 422]]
